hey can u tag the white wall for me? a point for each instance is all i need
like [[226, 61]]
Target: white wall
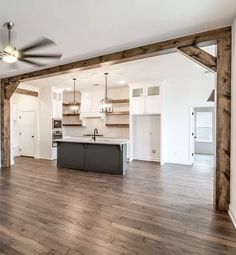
[[45, 123], [180, 95], [232, 208], [20, 103]]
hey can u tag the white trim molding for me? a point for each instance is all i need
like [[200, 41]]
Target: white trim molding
[[232, 216]]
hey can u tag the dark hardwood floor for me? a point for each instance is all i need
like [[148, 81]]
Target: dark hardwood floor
[[153, 210]]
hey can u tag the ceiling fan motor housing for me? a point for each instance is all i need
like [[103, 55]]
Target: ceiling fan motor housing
[[9, 25]]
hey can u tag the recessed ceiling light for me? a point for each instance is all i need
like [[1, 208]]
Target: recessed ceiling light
[[68, 89], [122, 82]]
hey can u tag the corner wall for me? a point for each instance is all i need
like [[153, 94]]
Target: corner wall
[[180, 95], [232, 207]]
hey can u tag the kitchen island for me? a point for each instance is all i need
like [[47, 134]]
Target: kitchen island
[[104, 155]]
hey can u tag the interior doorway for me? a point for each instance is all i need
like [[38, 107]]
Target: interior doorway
[[204, 144]]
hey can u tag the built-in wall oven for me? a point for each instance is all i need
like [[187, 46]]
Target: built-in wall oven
[[56, 123], [55, 136]]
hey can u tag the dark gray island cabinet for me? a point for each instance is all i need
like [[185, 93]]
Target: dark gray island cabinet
[[103, 156]]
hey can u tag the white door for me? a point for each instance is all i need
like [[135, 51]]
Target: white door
[[27, 133]]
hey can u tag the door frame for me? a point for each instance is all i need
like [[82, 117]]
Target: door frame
[[213, 123], [187, 45]]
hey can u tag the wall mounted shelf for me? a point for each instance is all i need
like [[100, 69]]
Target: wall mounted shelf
[[73, 125], [71, 114], [118, 113], [118, 125], [120, 101]]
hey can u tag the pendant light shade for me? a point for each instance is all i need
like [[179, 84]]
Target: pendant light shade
[[74, 105], [106, 103]]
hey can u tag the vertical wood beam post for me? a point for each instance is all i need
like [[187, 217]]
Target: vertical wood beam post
[[5, 128], [223, 102], [6, 92]]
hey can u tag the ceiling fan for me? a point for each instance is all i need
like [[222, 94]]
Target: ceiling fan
[[10, 54]]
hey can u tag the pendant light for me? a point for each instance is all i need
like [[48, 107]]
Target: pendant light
[[106, 103], [74, 105]]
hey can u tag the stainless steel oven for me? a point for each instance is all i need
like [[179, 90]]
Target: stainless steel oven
[[55, 136], [56, 123]]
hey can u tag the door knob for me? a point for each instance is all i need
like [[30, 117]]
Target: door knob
[[32, 136]]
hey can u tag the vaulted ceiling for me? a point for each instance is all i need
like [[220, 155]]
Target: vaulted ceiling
[[89, 28]]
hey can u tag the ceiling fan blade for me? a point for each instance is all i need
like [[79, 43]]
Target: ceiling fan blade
[[31, 62], [56, 55], [38, 44]]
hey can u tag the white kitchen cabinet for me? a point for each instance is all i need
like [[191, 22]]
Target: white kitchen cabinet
[[57, 104], [137, 105], [145, 100], [153, 105]]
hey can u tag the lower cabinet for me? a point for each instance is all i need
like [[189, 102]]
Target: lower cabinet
[[110, 159], [71, 155]]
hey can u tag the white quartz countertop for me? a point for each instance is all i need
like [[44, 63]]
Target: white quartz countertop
[[99, 140]]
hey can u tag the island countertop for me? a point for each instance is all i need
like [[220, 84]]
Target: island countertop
[[99, 140]]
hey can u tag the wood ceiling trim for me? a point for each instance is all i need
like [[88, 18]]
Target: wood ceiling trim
[[200, 56]]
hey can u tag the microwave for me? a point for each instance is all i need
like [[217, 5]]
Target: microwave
[[56, 123]]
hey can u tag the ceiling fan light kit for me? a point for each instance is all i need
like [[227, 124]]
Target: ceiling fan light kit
[[10, 54]]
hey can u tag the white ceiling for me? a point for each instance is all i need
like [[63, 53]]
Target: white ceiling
[[85, 28], [152, 70]]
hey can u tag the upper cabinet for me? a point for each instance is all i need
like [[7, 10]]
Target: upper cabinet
[[145, 100], [56, 104]]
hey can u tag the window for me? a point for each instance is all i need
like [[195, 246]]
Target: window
[[204, 126], [152, 91], [137, 92]]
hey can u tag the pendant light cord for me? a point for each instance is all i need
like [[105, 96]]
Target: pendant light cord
[[106, 85], [74, 88]]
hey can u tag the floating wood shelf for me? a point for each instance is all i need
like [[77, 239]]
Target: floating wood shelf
[[118, 113], [68, 104], [118, 125], [71, 114], [120, 101], [73, 125]]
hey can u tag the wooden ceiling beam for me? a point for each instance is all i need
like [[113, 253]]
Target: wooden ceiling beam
[[159, 48], [27, 92], [199, 56], [10, 88]]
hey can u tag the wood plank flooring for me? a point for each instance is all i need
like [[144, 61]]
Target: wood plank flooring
[[153, 210]]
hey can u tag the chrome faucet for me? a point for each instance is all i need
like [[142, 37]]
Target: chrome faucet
[[95, 132]]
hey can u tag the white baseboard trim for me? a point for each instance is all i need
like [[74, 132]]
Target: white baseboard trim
[[147, 159], [232, 216], [178, 162]]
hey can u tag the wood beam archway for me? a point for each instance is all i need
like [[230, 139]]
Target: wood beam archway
[[190, 46]]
